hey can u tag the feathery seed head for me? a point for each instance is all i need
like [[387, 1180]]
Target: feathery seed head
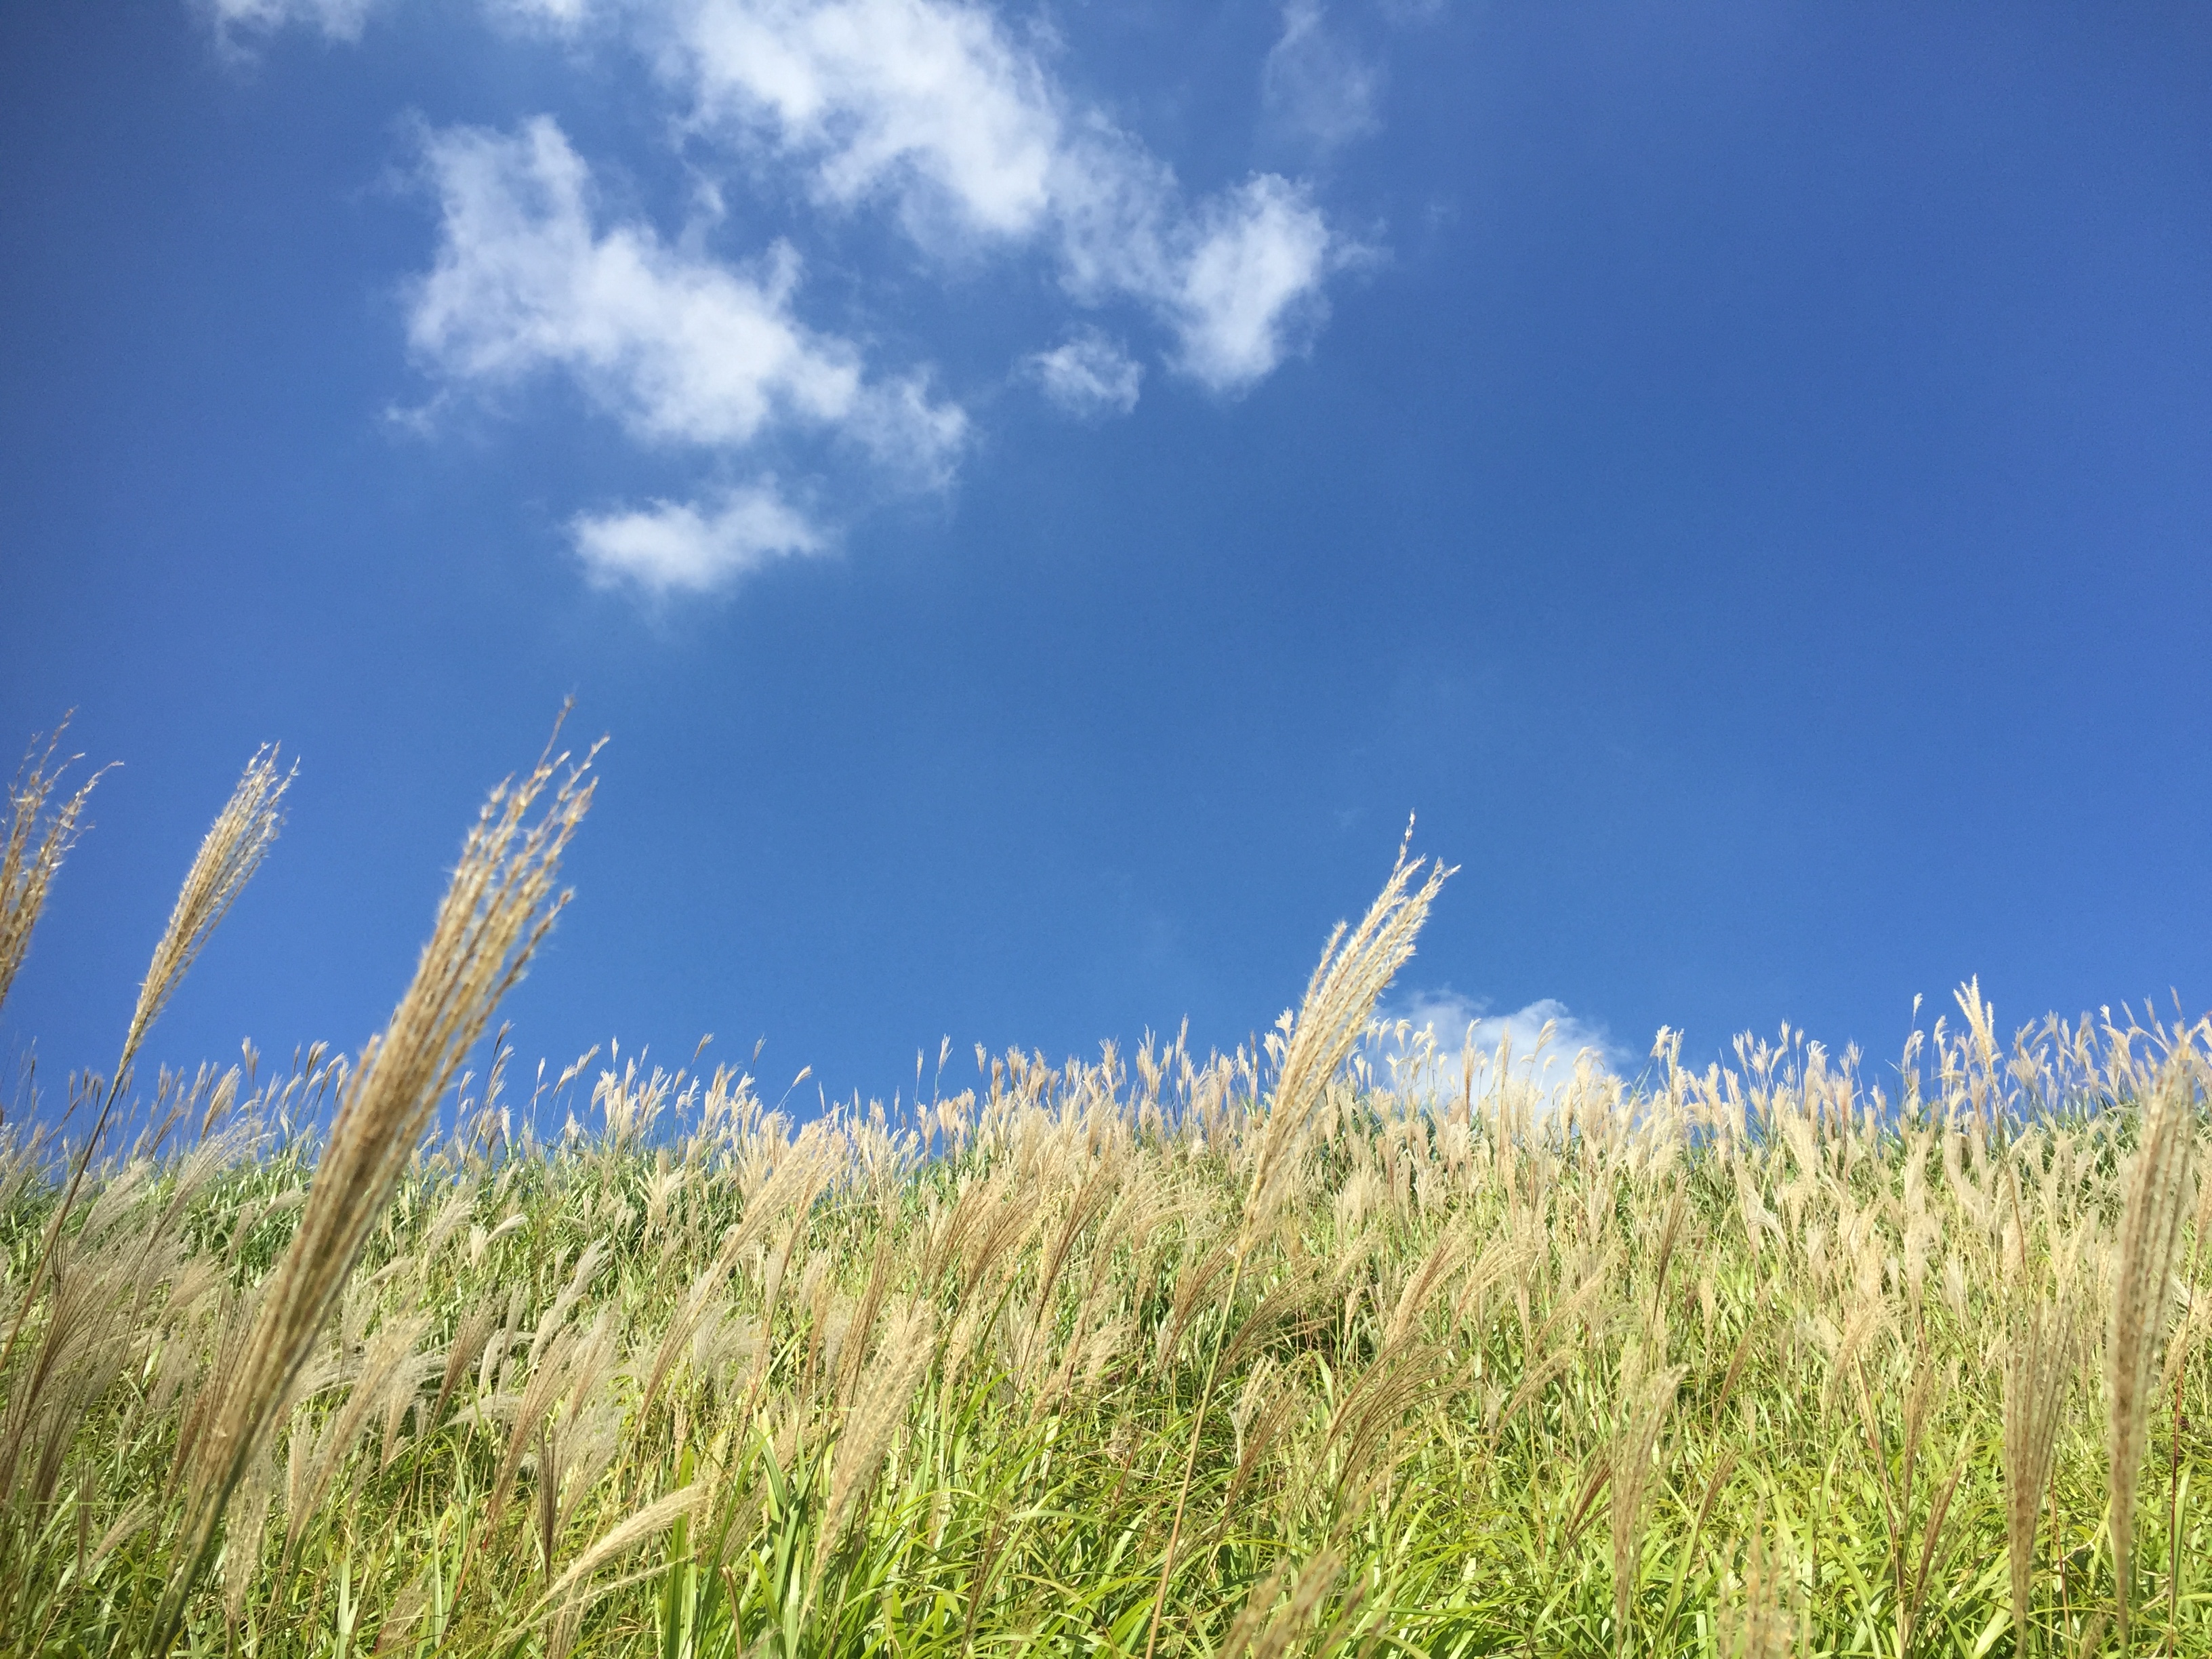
[[2150, 1240], [1352, 975], [37, 840], [500, 905], [229, 855]]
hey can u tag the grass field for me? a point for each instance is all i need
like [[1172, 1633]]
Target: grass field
[[1345, 1345]]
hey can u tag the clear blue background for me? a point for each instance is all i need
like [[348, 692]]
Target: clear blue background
[[1756, 513]]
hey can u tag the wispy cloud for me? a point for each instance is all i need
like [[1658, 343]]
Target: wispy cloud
[[673, 546], [927, 103], [338, 20], [1088, 375], [1252, 283], [1315, 86]]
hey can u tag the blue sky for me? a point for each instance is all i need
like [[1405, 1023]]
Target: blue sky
[[1037, 494]]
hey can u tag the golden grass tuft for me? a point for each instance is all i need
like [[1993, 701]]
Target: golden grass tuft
[[229, 853], [2148, 1243], [2039, 1368], [40, 836], [498, 907]]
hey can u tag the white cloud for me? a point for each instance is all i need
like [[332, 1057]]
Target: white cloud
[[929, 104], [677, 345], [674, 546], [554, 16], [1088, 375], [1545, 1039], [338, 20], [914, 440], [924, 99], [1254, 276], [1314, 86]]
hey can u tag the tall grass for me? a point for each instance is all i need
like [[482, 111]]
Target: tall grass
[[1342, 1346], [41, 832]]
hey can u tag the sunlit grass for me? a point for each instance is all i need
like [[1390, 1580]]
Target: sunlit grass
[[1343, 1346]]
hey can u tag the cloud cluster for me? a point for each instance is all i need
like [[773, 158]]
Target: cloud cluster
[[924, 100], [929, 107], [933, 111], [678, 347]]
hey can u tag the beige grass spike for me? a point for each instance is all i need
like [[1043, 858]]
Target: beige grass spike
[[498, 907]]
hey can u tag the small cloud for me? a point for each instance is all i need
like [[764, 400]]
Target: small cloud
[[1252, 284], [915, 443], [337, 19], [557, 17], [673, 546], [1314, 86], [1089, 376], [1423, 1040]]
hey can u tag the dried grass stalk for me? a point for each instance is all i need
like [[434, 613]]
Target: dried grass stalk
[[876, 1417], [2038, 1363], [1265, 1631], [229, 854], [497, 910], [232, 851], [37, 840], [1351, 977], [1767, 1622], [624, 1536], [1651, 1398], [2149, 1237]]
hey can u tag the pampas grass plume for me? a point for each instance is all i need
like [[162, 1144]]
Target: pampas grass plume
[[2150, 1237], [497, 910], [2039, 1362], [229, 854], [37, 840]]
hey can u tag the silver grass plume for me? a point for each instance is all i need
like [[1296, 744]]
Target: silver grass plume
[[1767, 1622], [873, 1421], [235, 844], [1351, 977], [2150, 1235], [500, 905], [2039, 1362], [1649, 1398], [229, 855], [37, 840]]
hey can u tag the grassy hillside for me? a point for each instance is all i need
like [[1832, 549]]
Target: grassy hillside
[[1302, 1351]]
